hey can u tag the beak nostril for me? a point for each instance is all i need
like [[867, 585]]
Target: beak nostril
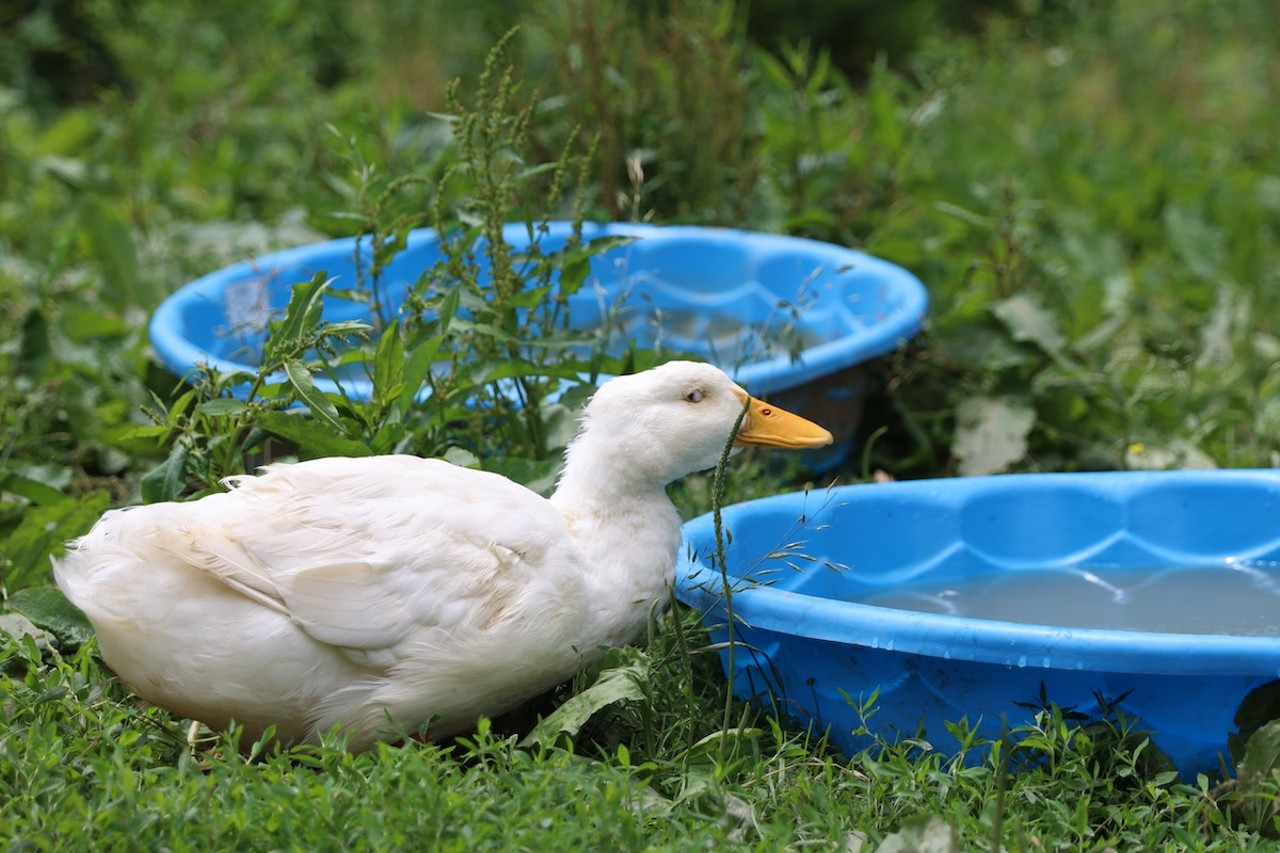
[[766, 426]]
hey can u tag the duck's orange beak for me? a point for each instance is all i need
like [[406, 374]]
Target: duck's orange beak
[[769, 426]]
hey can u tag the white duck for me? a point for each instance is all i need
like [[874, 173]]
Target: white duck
[[389, 592]]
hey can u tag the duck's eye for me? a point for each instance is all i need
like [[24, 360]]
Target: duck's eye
[[694, 396]]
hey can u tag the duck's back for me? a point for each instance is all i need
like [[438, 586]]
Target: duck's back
[[338, 590]]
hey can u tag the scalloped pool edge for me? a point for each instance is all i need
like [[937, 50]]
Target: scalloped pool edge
[[809, 657], [180, 355]]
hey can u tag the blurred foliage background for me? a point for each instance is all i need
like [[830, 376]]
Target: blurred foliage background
[[1090, 190]]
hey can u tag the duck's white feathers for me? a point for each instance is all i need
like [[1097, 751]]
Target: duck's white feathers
[[394, 591], [335, 557], [368, 623]]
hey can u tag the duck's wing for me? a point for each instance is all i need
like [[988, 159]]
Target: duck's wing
[[365, 554]]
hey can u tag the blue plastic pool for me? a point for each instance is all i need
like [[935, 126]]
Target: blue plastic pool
[[802, 563], [716, 293]]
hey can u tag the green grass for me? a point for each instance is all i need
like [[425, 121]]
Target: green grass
[[1090, 191], [85, 766]]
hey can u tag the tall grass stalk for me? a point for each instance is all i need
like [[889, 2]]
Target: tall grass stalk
[[718, 485]]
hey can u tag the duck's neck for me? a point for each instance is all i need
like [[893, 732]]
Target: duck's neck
[[628, 533]]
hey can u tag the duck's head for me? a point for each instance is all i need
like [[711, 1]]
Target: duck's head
[[674, 419]]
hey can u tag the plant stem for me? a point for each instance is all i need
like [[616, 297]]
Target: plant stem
[[717, 503]]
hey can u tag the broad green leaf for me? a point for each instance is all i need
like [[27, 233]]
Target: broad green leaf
[[389, 436], [312, 438], [982, 345], [84, 323], [448, 308], [166, 481], [488, 330], [562, 339], [49, 609], [888, 122], [1028, 320], [1260, 706], [530, 297], [598, 246], [417, 366], [777, 74], [33, 348], [173, 415], [991, 433], [388, 247], [306, 302], [573, 275], [73, 172], [389, 367], [1257, 774], [361, 296], [346, 328], [715, 744], [43, 531], [615, 684], [222, 407], [1197, 240], [36, 491], [533, 171], [145, 436], [111, 240], [514, 368], [53, 474], [305, 387]]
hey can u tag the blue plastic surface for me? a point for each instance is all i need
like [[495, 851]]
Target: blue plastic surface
[[677, 285], [803, 643]]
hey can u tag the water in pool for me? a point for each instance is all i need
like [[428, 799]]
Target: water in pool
[[1236, 598]]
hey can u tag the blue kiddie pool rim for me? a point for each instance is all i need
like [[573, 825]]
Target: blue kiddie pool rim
[[959, 638], [181, 355]]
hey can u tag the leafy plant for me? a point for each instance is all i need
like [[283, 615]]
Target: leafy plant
[[834, 155], [668, 91], [474, 360], [1084, 304]]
